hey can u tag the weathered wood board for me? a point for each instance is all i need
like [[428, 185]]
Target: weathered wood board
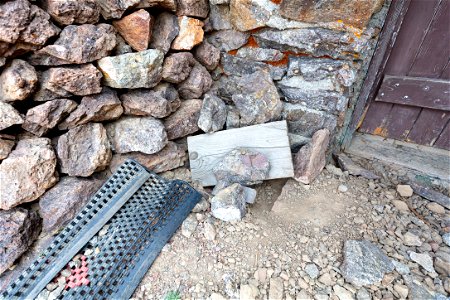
[[271, 139], [431, 161]]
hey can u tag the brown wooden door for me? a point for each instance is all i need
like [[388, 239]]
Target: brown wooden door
[[413, 101]]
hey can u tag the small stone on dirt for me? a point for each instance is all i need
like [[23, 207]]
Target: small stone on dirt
[[424, 260], [189, 225], [404, 190], [229, 203]]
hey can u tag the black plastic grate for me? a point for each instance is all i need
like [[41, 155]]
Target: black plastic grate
[[136, 234]]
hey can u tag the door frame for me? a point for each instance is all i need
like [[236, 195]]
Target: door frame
[[388, 35]]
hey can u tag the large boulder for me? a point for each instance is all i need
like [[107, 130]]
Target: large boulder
[[197, 83], [64, 82], [159, 102], [60, 204], [9, 116], [40, 119], [84, 150], [73, 11], [190, 35], [17, 81], [101, 107], [77, 45], [143, 134], [311, 159], [133, 70], [136, 29], [28, 172], [18, 230], [364, 263], [213, 114], [184, 121], [165, 30]]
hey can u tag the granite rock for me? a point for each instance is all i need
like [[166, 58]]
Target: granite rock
[[9, 116], [17, 81], [190, 34], [69, 12], [196, 84], [213, 114], [185, 120], [165, 30], [177, 67], [136, 29]]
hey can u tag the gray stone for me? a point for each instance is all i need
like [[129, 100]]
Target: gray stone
[[27, 173], [193, 8], [233, 65], [227, 40], [73, 11], [446, 238], [121, 46], [114, 9], [159, 102], [184, 121], [213, 114], [364, 263], [424, 260], [411, 239], [417, 289], [133, 70], [84, 150], [17, 81], [188, 226], [342, 293], [242, 166], [276, 288], [442, 263], [363, 294], [9, 116], [347, 164], [165, 30], [61, 82], [101, 107], [207, 55], [260, 54], [40, 119], [167, 4], [60, 204], [401, 268], [18, 230], [77, 45], [229, 203], [219, 17], [143, 134], [177, 67], [248, 15], [312, 270], [197, 83], [232, 117]]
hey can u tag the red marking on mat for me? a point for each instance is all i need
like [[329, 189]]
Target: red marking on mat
[[79, 275]]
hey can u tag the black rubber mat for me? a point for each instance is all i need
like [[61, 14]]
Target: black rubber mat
[[142, 211]]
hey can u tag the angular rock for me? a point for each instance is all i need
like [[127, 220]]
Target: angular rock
[[442, 263], [38, 30], [167, 4], [246, 15], [189, 225], [101, 107], [114, 9], [364, 263], [17, 81], [184, 121], [69, 12], [197, 83], [356, 13], [232, 117], [227, 40], [424, 260], [18, 230], [133, 70], [77, 45], [260, 54], [14, 19], [213, 114], [156, 103], [417, 289], [143, 134], [404, 190], [170, 157], [276, 288], [28, 172], [233, 65], [219, 17], [190, 35], [60, 204], [177, 67], [136, 29], [242, 166], [207, 55], [121, 46], [84, 150], [342, 293], [9, 116], [347, 164], [165, 30], [411, 239], [310, 159], [193, 8], [40, 119], [6, 145], [63, 82], [312, 270], [446, 238], [229, 203]]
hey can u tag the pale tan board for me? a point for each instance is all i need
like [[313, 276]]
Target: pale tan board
[[271, 139]]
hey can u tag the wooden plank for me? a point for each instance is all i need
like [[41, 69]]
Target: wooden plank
[[400, 121], [376, 118], [434, 51], [386, 41], [431, 161], [446, 72], [443, 141], [271, 139], [428, 126], [415, 91], [411, 35]]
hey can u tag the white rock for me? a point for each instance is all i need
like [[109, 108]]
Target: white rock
[[400, 205], [342, 293], [410, 239], [342, 188], [402, 290], [276, 289], [424, 260], [404, 190]]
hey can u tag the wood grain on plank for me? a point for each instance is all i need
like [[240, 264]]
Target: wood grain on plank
[[443, 141], [415, 91], [401, 120], [376, 118], [428, 127], [271, 139], [428, 160]]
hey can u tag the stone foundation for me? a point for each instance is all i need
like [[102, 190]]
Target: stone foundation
[[85, 84]]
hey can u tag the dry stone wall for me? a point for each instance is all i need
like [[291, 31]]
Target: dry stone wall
[[85, 84]]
